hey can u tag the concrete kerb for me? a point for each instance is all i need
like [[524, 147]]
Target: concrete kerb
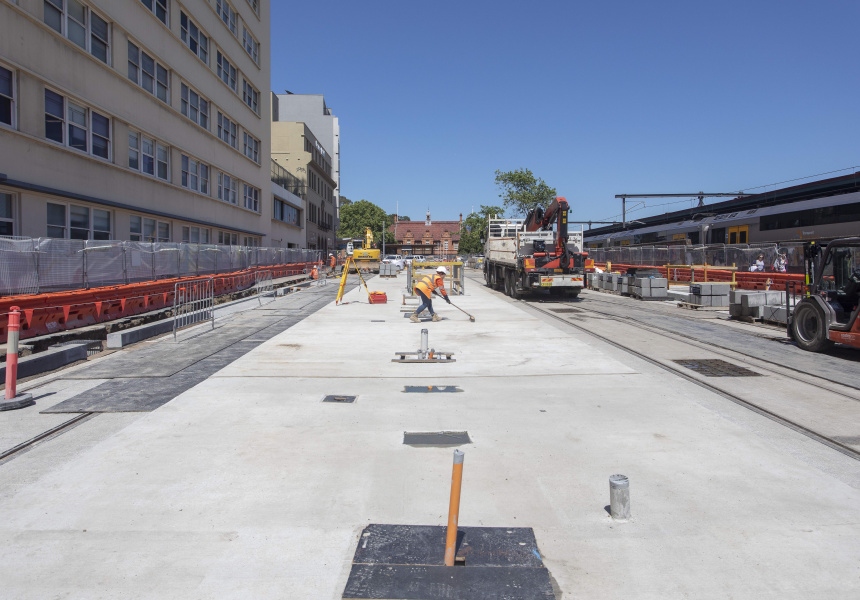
[[50, 360]]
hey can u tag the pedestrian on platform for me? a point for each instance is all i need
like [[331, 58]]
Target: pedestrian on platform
[[759, 264], [780, 263], [425, 287]]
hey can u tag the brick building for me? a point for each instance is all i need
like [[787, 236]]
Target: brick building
[[444, 236]]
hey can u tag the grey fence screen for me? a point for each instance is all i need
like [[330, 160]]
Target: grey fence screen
[[741, 257], [41, 265]]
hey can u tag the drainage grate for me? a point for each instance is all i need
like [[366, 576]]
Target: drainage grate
[[340, 399], [716, 368], [436, 438], [93, 346], [431, 389], [377, 320], [566, 310]]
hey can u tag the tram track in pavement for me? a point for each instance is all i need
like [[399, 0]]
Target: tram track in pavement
[[544, 307]]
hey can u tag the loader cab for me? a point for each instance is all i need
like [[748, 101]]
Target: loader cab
[[839, 279]]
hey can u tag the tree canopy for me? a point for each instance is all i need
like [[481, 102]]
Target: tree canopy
[[473, 226], [356, 216], [522, 191]]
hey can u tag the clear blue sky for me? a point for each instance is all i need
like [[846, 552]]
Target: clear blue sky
[[597, 98]]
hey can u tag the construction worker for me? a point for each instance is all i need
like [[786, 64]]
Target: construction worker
[[332, 263], [425, 287]]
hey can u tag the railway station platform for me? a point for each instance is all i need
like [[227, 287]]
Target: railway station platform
[[245, 483]]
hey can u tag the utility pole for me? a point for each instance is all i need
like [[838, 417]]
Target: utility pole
[[383, 239]]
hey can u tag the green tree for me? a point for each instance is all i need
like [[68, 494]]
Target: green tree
[[356, 216], [403, 218], [522, 191], [344, 201], [473, 227]]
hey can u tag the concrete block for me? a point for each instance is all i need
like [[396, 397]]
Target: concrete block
[[659, 283], [755, 312], [700, 300], [52, 358], [125, 337], [736, 310], [643, 283], [762, 299], [736, 295], [722, 301], [710, 289], [774, 313]]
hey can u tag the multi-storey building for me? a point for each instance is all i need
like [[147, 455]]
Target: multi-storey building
[[312, 110], [142, 120], [296, 148]]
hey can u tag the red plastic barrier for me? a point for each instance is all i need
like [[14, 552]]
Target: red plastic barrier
[[744, 280], [59, 311]]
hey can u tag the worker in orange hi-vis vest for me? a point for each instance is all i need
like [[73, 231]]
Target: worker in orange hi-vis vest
[[332, 262], [425, 287]]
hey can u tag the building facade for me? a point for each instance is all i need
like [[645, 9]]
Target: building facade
[[297, 150], [312, 110], [142, 120], [443, 236]]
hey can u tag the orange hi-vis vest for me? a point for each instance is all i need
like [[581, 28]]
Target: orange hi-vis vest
[[428, 283]]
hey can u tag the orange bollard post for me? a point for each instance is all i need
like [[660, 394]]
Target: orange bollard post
[[13, 399], [454, 509]]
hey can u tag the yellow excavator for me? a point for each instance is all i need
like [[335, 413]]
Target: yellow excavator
[[367, 258]]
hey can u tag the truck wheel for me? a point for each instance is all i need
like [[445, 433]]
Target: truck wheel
[[809, 328], [497, 284], [507, 283], [487, 281], [515, 293]]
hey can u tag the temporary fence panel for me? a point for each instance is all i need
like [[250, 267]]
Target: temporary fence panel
[[61, 265], [193, 302], [19, 267], [188, 260], [139, 261], [104, 263], [264, 285]]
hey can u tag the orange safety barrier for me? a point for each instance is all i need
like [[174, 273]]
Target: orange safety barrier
[[59, 311]]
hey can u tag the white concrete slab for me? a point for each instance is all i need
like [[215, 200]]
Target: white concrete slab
[[249, 486]]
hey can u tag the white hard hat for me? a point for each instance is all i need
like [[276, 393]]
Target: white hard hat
[[442, 270]]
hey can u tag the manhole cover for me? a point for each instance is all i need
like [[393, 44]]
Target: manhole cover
[[431, 389], [716, 368], [341, 399], [566, 310], [436, 438]]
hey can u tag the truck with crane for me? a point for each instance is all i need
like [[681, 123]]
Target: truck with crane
[[829, 311], [535, 254]]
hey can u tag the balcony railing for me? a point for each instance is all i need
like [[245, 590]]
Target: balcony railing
[[288, 181]]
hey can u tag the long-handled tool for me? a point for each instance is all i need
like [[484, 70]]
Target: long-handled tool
[[471, 318]]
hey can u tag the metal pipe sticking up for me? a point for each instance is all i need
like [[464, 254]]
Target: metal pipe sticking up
[[454, 509], [422, 352]]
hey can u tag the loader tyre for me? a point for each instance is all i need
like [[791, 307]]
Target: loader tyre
[[809, 328]]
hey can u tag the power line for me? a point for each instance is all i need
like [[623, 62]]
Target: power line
[[802, 178]]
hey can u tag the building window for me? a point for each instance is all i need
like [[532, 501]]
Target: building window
[[251, 45], [228, 188], [195, 107], [195, 235], [78, 222], [252, 242], [225, 237], [142, 229], [7, 97], [158, 8], [226, 71], [251, 147], [252, 197], [77, 22], [76, 126], [227, 131], [250, 96], [286, 213], [148, 73], [227, 14], [255, 4], [148, 156], [195, 175], [7, 217], [194, 38]]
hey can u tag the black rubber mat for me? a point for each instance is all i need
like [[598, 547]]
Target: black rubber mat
[[406, 561]]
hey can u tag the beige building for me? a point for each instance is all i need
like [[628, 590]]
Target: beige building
[[142, 120], [295, 148]]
